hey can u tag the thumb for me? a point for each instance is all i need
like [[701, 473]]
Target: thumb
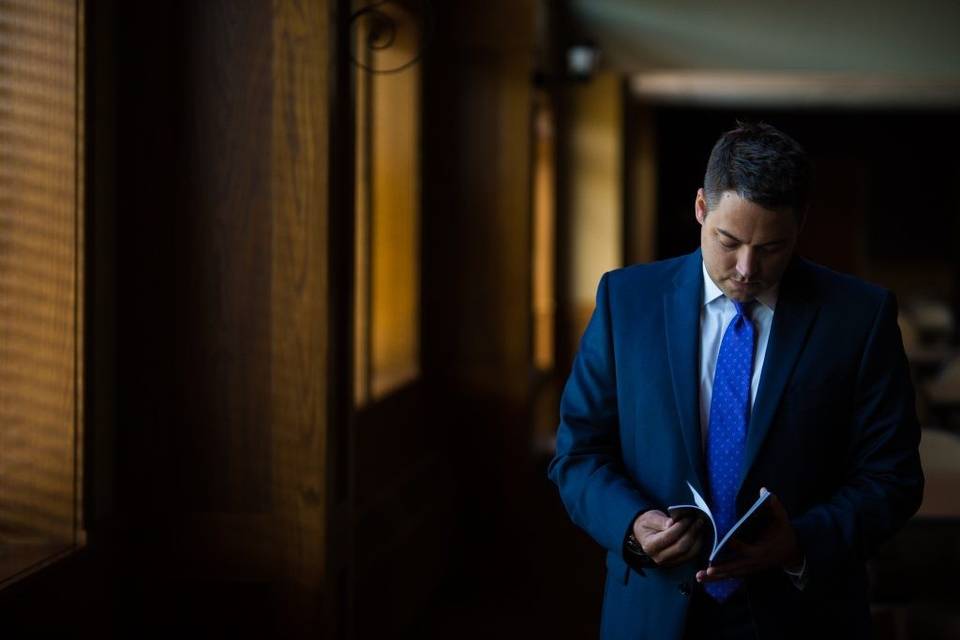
[[776, 506], [656, 520]]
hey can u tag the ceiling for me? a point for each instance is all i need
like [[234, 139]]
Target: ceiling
[[815, 51]]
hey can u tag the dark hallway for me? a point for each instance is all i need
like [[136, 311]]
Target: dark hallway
[[292, 289]]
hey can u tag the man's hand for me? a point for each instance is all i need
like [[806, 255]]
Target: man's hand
[[776, 548], [669, 542]]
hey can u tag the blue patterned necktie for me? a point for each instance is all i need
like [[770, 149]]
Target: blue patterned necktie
[[727, 436]]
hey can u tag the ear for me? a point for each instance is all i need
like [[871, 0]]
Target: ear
[[700, 206]]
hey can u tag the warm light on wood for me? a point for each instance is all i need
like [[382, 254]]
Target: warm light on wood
[[388, 215], [41, 195], [544, 237], [595, 235]]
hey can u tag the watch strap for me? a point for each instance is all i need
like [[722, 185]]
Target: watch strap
[[637, 554]]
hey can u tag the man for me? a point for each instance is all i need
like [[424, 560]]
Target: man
[[740, 367]]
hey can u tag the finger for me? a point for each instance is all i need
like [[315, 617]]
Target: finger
[[739, 564], [692, 552], [734, 572], [742, 548], [685, 548], [669, 536], [736, 569], [654, 520], [676, 553], [729, 567], [660, 546], [663, 539], [777, 508]]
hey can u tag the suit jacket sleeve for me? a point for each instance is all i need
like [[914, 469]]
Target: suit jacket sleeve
[[884, 485], [588, 466]]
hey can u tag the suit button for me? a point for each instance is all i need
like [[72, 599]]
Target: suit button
[[684, 588]]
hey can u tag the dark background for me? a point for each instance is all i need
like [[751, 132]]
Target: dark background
[[232, 487]]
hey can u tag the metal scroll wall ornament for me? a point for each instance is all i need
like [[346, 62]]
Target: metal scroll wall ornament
[[381, 33]]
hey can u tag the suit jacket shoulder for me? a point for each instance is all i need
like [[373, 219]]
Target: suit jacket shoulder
[[833, 285], [652, 277], [844, 299]]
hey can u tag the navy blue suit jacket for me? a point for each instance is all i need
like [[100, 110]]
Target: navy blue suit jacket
[[833, 434]]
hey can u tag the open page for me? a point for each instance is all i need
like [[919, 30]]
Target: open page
[[699, 506], [743, 523], [750, 518]]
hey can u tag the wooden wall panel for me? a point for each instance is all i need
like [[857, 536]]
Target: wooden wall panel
[[477, 151], [299, 303], [212, 262], [223, 297], [224, 221], [640, 192], [433, 458], [478, 264]]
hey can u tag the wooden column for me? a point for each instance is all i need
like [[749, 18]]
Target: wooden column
[[477, 256], [298, 304], [223, 289]]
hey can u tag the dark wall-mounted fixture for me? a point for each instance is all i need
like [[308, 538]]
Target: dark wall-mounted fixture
[[376, 27]]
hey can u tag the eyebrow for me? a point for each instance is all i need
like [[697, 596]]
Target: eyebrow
[[736, 239]]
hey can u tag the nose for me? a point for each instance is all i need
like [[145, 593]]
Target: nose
[[747, 263]]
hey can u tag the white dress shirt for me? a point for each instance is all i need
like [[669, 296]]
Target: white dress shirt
[[715, 314]]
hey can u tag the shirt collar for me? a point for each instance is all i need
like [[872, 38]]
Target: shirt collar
[[711, 292]]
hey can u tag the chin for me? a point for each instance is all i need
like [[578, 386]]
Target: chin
[[743, 293]]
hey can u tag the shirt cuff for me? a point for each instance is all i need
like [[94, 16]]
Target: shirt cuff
[[799, 577]]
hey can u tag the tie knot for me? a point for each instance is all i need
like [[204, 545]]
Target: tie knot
[[743, 308]]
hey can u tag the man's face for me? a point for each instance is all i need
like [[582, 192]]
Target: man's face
[[745, 247]]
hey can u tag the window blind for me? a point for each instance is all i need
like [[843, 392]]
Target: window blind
[[41, 195]]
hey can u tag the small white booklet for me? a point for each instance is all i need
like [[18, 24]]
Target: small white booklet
[[699, 504]]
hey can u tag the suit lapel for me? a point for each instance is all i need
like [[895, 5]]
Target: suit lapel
[[794, 315], [681, 307]]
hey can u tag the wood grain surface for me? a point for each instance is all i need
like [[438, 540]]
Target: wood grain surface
[[41, 218]]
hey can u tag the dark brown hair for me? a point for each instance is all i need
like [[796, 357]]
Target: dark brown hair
[[761, 164]]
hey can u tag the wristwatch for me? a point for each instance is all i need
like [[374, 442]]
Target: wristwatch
[[637, 554]]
